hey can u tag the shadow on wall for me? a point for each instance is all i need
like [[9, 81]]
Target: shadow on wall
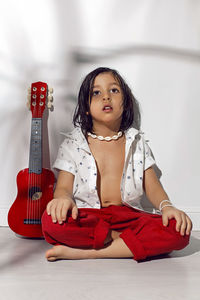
[[94, 56]]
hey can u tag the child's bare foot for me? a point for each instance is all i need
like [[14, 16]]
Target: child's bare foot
[[65, 252]]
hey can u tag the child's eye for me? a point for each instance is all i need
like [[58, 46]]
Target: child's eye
[[114, 90], [95, 93]]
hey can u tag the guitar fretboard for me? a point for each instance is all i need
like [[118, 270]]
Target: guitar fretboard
[[35, 157]]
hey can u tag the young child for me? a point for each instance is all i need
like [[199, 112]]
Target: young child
[[105, 165]]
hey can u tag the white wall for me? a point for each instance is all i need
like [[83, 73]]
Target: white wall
[[154, 44]]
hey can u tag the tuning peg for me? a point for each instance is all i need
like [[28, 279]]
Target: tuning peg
[[49, 105], [29, 90], [50, 90], [28, 104], [50, 98]]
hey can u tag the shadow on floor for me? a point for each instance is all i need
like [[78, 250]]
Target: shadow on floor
[[18, 251], [193, 247]]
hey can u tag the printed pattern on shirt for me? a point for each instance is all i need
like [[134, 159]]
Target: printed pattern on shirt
[[75, 156]]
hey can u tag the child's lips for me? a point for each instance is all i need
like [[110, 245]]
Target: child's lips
[[107, 108]]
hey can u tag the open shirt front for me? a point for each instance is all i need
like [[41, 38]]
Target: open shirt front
[[74, 156]]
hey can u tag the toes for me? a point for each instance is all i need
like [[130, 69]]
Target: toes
[[54, 253], [63, 252], [51, 258], [50, 254]]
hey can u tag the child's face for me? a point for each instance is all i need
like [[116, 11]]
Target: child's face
[[106, 91]]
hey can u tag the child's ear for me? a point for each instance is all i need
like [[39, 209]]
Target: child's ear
[[87, 113]]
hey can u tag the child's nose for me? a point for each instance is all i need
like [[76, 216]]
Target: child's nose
[[106, 97]]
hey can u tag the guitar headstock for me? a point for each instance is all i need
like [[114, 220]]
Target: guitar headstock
[[38, 97]]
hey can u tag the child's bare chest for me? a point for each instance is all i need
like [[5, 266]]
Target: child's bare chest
[[109, 158]]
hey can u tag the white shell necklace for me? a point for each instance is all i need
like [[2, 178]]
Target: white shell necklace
[[107, 138]]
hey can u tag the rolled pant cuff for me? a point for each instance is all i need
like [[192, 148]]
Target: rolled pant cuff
[[133, 244], [100, 234]]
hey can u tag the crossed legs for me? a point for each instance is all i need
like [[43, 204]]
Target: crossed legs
[[114, 232], [114, 247]]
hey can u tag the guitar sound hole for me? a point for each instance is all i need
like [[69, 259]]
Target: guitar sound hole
[[35, 193]]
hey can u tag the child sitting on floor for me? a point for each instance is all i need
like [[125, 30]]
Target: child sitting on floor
[[104, 166]]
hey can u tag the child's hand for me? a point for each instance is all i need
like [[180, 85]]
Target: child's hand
[[58, 209], [183, 222]]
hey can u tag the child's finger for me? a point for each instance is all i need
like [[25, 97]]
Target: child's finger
[[48, 208], [58, 212], [64, 211], [165, 220], [178, 223], [189, 225], [74, 212], [183, 225], [53, 213]]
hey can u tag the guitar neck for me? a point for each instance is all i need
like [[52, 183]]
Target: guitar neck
[[35, 156]]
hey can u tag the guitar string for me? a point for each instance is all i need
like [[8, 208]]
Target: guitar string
[[41, 149], [32, 171], [36, 173], [39, 163], [29, 176], [36, 166], [33, 168], [39, 200], [35, 180], [40, 175], [27, 208]]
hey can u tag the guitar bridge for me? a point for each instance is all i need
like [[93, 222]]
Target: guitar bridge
[[32, 221]]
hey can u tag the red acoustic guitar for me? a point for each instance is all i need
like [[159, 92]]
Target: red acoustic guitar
[[35, 184]]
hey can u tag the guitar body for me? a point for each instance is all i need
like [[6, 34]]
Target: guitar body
[[34, 192], [35, 184]]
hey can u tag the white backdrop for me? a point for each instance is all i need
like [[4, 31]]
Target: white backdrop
[[154, 44]]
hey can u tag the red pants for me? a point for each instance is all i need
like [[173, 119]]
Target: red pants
[[143, 233]]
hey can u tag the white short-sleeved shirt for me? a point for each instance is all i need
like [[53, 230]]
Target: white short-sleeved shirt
[[74, 156]]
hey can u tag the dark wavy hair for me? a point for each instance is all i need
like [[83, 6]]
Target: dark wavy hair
[[131, 112]]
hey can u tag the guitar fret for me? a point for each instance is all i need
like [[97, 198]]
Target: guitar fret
[[35, 158]]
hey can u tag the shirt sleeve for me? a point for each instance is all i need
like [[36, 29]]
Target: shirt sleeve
[[64, 160], [149, 159]]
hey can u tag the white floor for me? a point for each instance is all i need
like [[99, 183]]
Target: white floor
[[25, 274]]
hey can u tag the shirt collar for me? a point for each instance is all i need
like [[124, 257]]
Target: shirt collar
[[78, 137]]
